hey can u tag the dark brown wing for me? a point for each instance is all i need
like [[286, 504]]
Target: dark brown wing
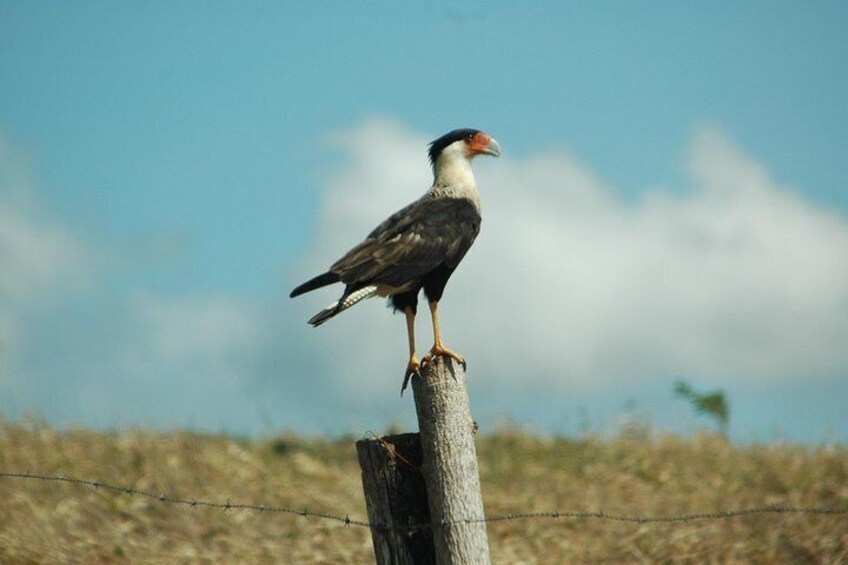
[[411, 243]]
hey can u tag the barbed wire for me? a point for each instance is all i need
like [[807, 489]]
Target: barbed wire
[[685, 517], [192, 502], [348, 521]]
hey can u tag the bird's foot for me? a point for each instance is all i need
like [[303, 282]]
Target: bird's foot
[[412, 368], [440, 350]]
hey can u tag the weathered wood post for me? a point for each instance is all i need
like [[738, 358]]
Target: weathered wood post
[[396, 497], [429, 478], [449, 464]]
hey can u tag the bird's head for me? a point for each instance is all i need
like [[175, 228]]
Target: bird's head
[[465, 144]]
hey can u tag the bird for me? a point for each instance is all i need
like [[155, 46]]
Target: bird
[[418, 247]]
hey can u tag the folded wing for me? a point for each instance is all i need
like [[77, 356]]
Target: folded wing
[[413, 242]]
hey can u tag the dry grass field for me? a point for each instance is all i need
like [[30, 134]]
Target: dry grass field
[[634, 472]]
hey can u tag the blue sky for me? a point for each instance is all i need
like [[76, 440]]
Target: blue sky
[[169, 172]]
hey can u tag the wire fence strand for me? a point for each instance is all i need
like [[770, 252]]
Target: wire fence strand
[[348, 521], [193, 502]]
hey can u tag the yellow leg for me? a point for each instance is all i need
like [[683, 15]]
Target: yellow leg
[[413, 365], [438, 347]]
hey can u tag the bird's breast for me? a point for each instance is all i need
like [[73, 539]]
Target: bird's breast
[[459, 192]]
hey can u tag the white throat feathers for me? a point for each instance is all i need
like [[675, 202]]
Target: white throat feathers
[[453, 177]]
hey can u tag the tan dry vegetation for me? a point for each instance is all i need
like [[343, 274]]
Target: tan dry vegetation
[[635, 472]]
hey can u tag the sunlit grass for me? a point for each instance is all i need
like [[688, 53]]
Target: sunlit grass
[[632, 472]]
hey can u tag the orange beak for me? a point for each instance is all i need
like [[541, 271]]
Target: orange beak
[[484, 144]]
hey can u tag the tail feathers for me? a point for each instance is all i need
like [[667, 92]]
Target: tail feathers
[[342, 304], [317, 282]]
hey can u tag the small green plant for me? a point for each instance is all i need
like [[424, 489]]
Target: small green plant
[[713, 404]]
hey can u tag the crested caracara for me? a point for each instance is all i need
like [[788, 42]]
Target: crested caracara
[[417, 247]]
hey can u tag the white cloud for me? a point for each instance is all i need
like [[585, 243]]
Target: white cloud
[[38, 258], [41, 261], [570, 284], [78, 350], [385, 165], [203, 335]]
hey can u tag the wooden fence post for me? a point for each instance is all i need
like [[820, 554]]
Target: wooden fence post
[[428, 478], [449, 464], [396, 497]]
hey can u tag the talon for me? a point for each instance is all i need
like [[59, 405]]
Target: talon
[[412, 368], [439, 350]]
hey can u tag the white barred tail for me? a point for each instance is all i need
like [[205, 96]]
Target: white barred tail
[[343, 304]]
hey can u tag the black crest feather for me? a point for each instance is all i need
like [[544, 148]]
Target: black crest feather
[[438, 145]]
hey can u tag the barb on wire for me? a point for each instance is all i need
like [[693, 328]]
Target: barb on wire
[[347, 521]]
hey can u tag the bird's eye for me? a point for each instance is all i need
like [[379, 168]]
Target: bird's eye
[[469, 137]]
